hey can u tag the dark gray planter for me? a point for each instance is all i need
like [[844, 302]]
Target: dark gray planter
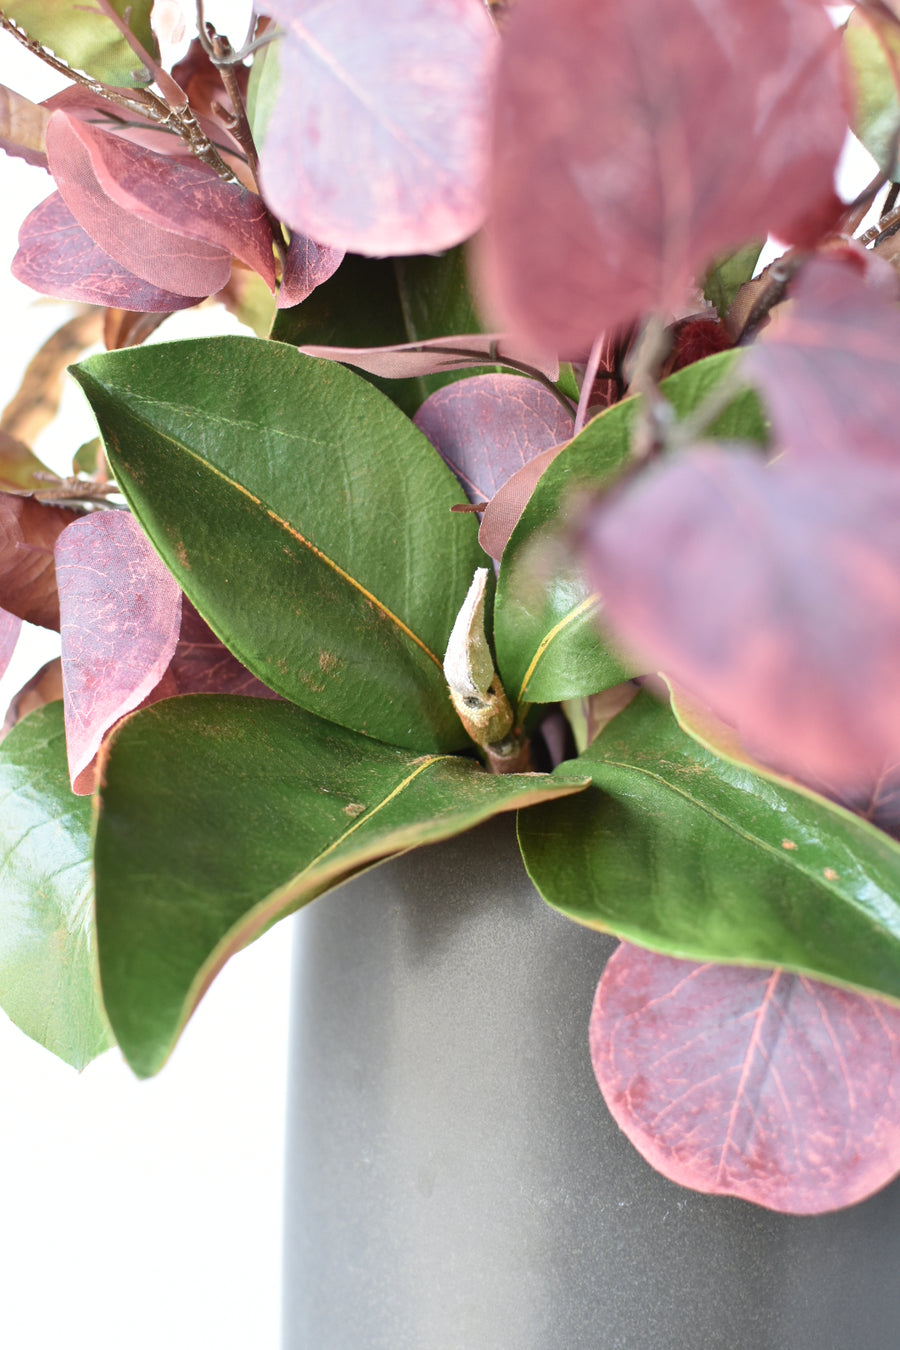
[[455, 1181]]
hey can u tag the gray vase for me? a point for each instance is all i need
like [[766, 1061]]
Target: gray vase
[[454, 1180]]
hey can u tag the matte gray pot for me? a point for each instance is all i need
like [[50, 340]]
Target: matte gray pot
[[454, 1180]]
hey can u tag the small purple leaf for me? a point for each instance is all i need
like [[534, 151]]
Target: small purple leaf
[[306, 266], [488, 427], [57, 257], [757, 1083]]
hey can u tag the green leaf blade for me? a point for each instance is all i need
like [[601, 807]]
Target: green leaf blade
[[549, 645], [699, 857], [49, 983], [307, 519], [89, 41], [376, 302], [219, 815]]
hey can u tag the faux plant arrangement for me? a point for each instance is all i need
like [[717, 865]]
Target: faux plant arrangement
[[285, 652]]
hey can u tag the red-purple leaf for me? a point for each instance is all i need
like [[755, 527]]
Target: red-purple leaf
[[306, 266], [162, 257], [121, 615], [378, 140], [188, 199], [28, 533], [201, 664], [829, 365], [772, 593], [755, 1083], [502, 513], [406, 360], [10, 626], [56, 257], [634, 142], [488, 427]]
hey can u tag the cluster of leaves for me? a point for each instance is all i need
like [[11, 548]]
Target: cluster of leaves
[[256, 654]]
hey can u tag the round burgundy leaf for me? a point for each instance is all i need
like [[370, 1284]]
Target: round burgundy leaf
[[755, 1083], [636, 141]]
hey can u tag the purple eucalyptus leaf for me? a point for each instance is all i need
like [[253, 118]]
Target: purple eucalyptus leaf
[[378, 140], [57, 257], [756, 1083], [120, 619]]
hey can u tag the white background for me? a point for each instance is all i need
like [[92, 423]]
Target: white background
[[136, 1216]]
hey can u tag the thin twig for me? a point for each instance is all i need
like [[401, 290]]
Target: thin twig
[[645, 361], [587, 383]]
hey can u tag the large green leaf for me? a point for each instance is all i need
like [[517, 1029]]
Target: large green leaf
[[48, 960], [376, 302], [218, 815], [699, 857], [305, 516], [549, 646], [87, 40]]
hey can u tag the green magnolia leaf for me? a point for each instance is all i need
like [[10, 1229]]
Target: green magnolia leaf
[[376, 302], [725, 279], [306, 518], [874, 57], [219, 815], [549, 646], [48, 962], [699, 857], [86, 40]]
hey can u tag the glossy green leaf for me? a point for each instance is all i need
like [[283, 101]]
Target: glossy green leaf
[[306, 518], [48, 961], [725, 279], [87, 40], [699, 857], [219, 815], [873, 52], [375, 302], [548, 642]]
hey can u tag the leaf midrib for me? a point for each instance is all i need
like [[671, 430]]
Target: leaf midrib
[[301, 539]]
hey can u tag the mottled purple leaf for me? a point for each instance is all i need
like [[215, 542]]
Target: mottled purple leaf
[[120, 619], [28, 533], [636, 142], [772, 593], [828, 365], [406, 360], [757, 1083], [378, 140], [162, 257], [488, 427], [56, 257], [306, 266]]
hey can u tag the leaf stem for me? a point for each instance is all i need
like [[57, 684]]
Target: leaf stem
[[587, 383]]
